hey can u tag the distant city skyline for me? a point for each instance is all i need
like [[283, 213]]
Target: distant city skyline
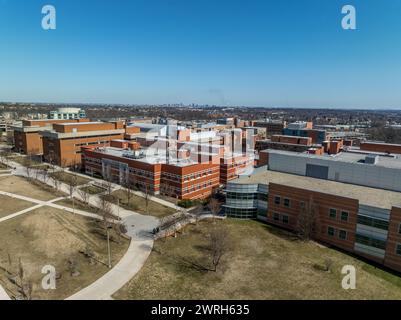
[[283, 54]]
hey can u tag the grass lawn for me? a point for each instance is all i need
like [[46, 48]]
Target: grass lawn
[[11, 205], [138, 204], [93, 189], [77, 204], [68, 177], [29, 188], [3, 166], [265, 263], [48, 236], [23, 160]]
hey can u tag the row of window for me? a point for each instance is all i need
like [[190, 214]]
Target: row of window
[[332, 211], [237, 164], [242, 196], [280, 218], [192, 176], [343, 214], [92, 160], [372, 222], [376, 243], [241, 213], [332, 232], [286, 201], [90, 143], [197, 187]]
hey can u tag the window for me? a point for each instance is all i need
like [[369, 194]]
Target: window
[[399, 228], [287, 202], [342, 234], [333, 213], [331, 231], [398, 249], [285, 219], [277, 200], [368, 241], [372, 222], [344, 215], [276, 216], [302, 204]]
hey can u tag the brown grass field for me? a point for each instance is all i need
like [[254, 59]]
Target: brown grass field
[[265, 263], [48, 236]]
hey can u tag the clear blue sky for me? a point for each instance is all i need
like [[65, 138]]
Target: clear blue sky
[[287, 53]]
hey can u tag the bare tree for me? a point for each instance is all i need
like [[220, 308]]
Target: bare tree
[[105, 210], [45, 174], [219, 244], [129, 188], [4, 157], [108, 178], [307, 224], [28, 166], [214, 206], [52, 159], [72, 182], [85, 196], [146, 193]]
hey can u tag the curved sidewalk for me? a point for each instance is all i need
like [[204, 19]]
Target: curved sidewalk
[[139, 229]]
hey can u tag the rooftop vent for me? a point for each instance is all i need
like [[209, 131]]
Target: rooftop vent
[[371, 159]]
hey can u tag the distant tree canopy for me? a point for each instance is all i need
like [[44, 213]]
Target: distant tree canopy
[[388, 135]]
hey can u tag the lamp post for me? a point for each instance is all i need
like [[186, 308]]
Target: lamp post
[[108, 245]]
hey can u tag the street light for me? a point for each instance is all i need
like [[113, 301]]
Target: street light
[[108, 244]]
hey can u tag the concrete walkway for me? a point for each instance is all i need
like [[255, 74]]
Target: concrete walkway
[[138, 251], [116, 186], [139, 229], [39, 204], [3, 294]]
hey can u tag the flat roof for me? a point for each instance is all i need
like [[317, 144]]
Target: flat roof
[[143, 155], [81, 123], [381, 143], [366, 195], [389, 161]]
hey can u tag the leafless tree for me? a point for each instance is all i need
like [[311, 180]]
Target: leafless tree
[[105, 210], [129, 188], [85, 196], [28, 166], [108, 178], [219, 244], [3, 157], [307, 224], [72, 182], [214, 206], [146, 193], [44, 173]]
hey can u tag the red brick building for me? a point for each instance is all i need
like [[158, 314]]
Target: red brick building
[[183, 179], [362, 220], [27, 138], [62, 145]]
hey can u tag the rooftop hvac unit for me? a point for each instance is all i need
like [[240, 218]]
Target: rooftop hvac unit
[[371, 159]]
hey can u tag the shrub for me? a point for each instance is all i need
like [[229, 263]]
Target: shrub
[[186, 203]]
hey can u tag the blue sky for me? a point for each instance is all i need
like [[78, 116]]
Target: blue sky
[[287, 53]]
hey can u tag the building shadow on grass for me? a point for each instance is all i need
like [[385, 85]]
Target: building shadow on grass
[[281, 233]]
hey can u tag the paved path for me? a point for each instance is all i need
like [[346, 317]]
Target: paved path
[[3, 294], [39, 204], [135, 257], [138, 193], [139, 229]]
